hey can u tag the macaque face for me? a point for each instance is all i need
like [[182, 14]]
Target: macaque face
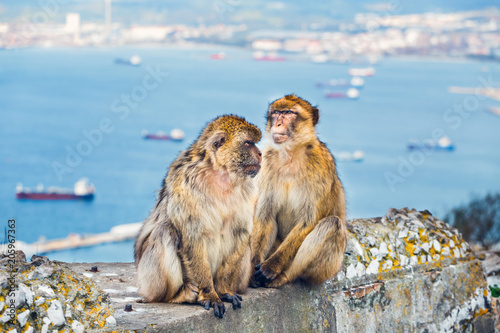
[[239, 155], [250, 157], [282, 124]]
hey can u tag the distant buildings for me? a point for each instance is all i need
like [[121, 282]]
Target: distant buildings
[[475, 33]]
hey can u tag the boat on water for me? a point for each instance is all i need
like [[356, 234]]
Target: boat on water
[[218, 56], [333, 83], [82, 190], [134, 60], [351, 93], [175, 135], [368, 71], [271, 56], [346, 156], [444, 144], [356, 82]]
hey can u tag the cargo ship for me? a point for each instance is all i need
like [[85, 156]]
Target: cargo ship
[[218, 56], [368, 71], [354, 82], [175, 135], [351, 93], [444, 143], [271, 56], [132, 61], [83, 190]]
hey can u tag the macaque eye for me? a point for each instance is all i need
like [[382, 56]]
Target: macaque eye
[[249, 143]]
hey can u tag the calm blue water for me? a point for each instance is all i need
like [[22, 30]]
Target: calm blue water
[[49, 96]]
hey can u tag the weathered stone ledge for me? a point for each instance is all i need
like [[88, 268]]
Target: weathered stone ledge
[[405, 272]]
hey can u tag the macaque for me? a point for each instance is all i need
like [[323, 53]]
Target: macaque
[[299, 225], [195, 245]]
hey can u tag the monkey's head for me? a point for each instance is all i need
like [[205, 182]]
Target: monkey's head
[[290, 117], [230, 141]]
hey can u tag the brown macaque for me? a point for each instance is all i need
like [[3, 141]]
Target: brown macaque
[[299, 225], [195, 245]]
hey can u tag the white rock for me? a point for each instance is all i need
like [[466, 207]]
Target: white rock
[[400, 245], [426, 247], [387, 264], [77, 327], [423, 259], [412, 235], [340, 277], [373, 267], [371, 240], [29, 329], [22, 295], [12, 331], [436, 245], [417, 250], [382, 250], [22, 318], [350, 272], [452, 244], [429, 258], [80, 308], [46, 320], [68, 314], [403, 260], [39, 301], [55, 313], [360, 269], [413, 260], [45, 290], [446, 251], [374, 251], [111, 321], [2, 305], [456, 253], [403, 233], [41, 272], [45, 328], [5, 317]]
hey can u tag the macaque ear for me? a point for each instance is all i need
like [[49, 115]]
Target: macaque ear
[[315, 115], [217, 140]]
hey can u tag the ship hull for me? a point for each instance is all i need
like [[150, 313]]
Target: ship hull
[[53, 196]]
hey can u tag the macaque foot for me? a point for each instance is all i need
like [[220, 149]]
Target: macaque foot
[[264, 275], [208, 301], [234, 299], [254, 283], [280, 280]]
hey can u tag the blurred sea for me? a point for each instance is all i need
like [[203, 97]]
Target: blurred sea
[[48, 97]]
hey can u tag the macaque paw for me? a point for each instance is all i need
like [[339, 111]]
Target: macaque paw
[[235, 299], [254, 283], [264, 274], [208, 301], [280, 280]]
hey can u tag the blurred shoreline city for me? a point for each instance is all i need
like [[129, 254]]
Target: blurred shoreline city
[[373, 35]]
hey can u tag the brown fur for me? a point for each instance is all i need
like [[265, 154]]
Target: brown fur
[[299, 226], [195, 245]]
